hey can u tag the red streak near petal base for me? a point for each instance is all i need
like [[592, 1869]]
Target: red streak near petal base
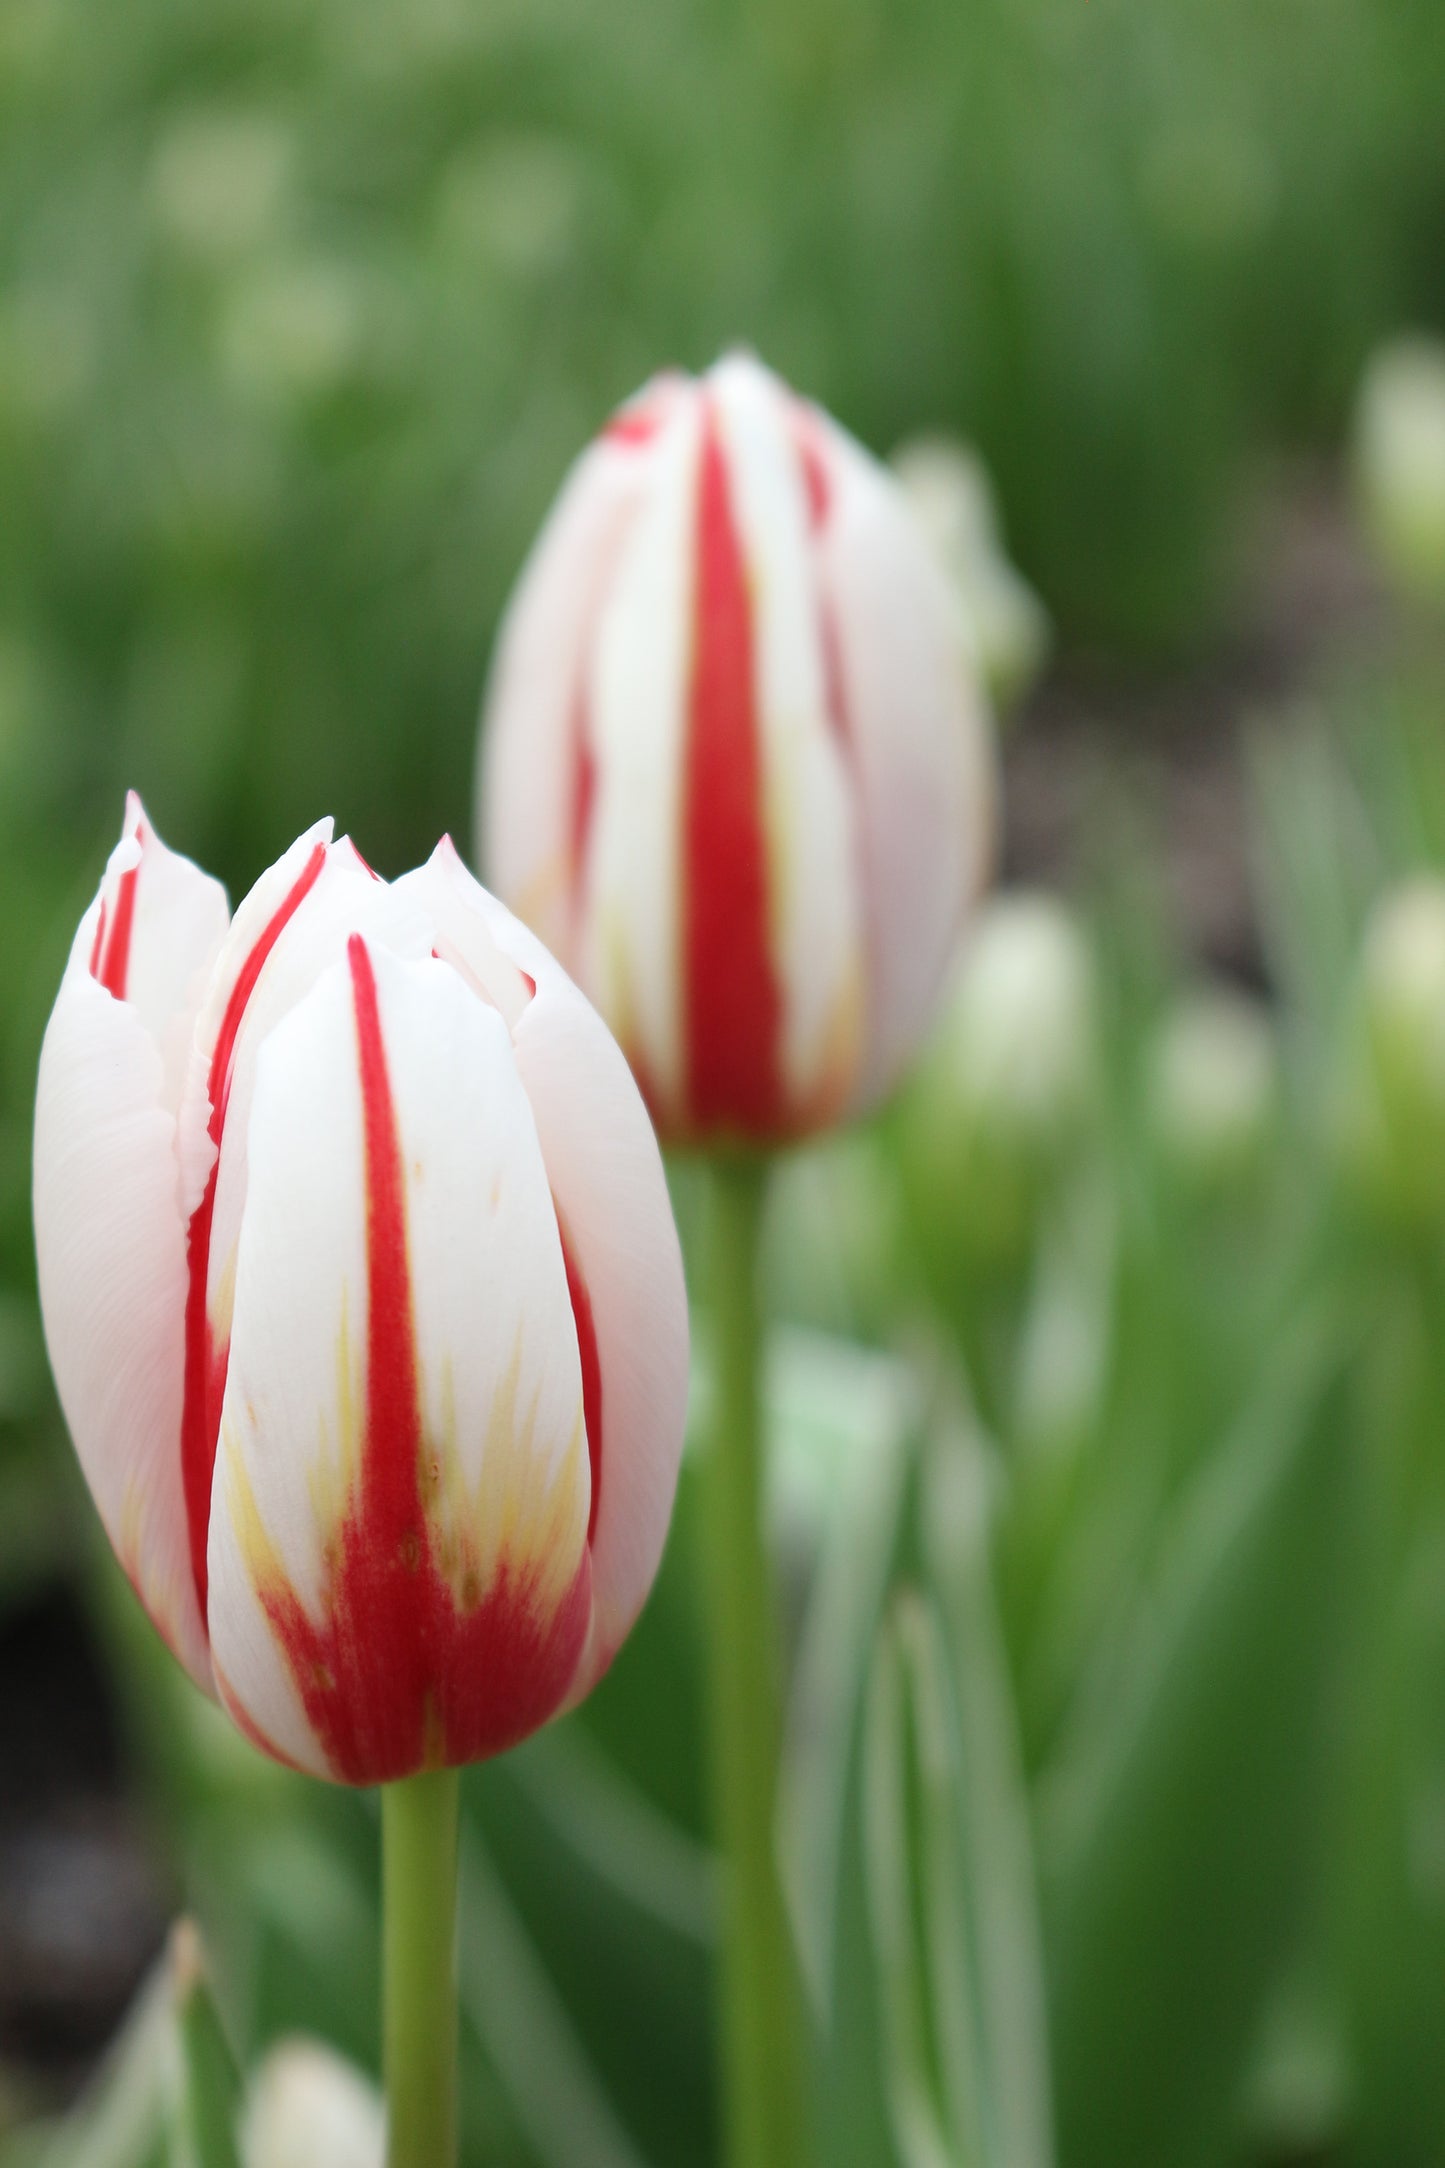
[[732, 1004], [397, 1676], [205, 1385]]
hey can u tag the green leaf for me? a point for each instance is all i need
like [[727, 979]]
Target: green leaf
[[210, 2089], [123, 2119], [997, 1867], [508, 1998], [916, 1896], [1178, 1832], [616, 1904]]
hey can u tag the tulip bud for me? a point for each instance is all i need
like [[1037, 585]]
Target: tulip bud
[[1390, 1110], [1010, 1079], [1400, 461], [307, 2107], [1213, 1088], [363, 1297], [737, 770], [952, 499]]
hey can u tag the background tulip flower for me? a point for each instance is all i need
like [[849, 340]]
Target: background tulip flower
[[363, 1296], [737, 768]]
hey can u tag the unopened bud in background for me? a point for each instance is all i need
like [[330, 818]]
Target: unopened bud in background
[[737, 766], [1390, 1112], [1213, 1088], [1010, 1081], [307, 2107], [952, 498], [1400, 462]]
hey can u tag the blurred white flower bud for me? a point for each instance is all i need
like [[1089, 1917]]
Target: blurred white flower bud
[[1213, 1087], [1017, 1038], [1391, 1109], [1400, 461], [307, 2107], [953, 501], [1011, 1078]]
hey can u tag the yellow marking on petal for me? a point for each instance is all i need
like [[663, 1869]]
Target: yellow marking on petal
[[221, 1307], [520, 1517], [332, 1478], [258, 1553]]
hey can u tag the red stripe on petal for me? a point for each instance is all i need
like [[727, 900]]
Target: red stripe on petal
[[115, 966], [591, 1363], [635, 425], [205, 1382], [732, 1004], [392, 1463], [403, 1672], [812, 458]]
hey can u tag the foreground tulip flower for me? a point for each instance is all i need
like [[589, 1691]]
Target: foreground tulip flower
[[363, 1297], [364, 1300], [737, 769]]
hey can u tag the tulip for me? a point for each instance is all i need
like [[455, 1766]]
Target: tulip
[[364, 1300], [737, 769]]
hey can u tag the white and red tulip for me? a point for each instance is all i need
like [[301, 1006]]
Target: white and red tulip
[[363, 1296], [736, 769]]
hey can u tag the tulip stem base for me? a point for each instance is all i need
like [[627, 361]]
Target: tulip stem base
[[419, 1966], [759, 2001]]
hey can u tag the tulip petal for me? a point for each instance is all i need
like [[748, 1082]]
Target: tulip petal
[[157, 924], [398, 1564], [291, 926], [813, 927], [535, 781], [109, 1232], [606, 1176], [639, 700], [922, 744]]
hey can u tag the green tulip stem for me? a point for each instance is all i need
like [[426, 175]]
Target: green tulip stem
[[419, 1968], [759, 2015]]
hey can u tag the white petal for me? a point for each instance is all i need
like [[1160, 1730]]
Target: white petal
[[536, 711], [606, 1176], [151, 934], [923, 747], [815, 904], [638, 708], [110, 1244], [398, 1540], [293, 944]]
